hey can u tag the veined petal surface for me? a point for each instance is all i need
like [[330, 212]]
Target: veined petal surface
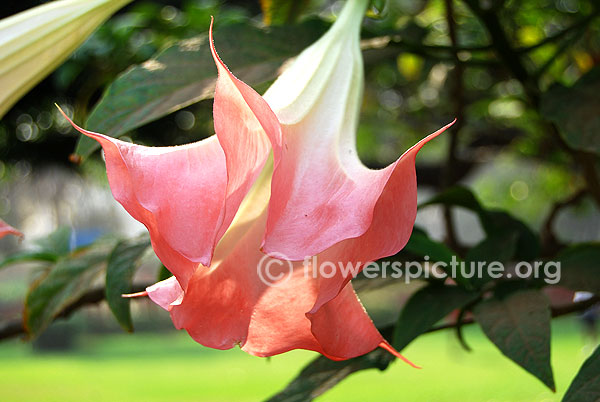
[[187, 196], [259, 303], [322, 194]]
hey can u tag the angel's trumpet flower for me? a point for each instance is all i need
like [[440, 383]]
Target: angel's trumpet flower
[[222, 210], [33, 43]]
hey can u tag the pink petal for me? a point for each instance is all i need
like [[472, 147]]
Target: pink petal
[[187, 196], [6, 229], [389, 228], [231, 305], [320, 199], [178, 193], [343, 328], [240, 115], [167, 293]]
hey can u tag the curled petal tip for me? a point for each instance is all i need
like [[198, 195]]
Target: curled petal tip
[[386, 346], [213, 51], [6, 229], [132, 295], [62, 112]]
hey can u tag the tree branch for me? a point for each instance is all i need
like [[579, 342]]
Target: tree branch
[[557, 311], [576, 26], [15, 328], [452, 160], [512, 60], [376, 49], [504, 50], [549, 241]]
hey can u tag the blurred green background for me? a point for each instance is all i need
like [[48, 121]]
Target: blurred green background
[[169, 365]]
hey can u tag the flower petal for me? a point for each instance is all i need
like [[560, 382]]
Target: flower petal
[[343, 328], [230, 305], [322, 193], [187, 196], [176, 192], [167, 293], [6, 229], [389, 229], [240, 115], [249, 299]]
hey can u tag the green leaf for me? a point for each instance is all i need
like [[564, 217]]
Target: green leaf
[[586, 385], [163, 273], [579, 267], [456, 196], [425, 308], [575, 111], [323, 374], [49, 248], [185, 73], [121, 266], [62, 285], [496, 224], [57, 242], [519, 325], [28, 256], [278, 12], [499, 247], [421, 245], [499, 222]]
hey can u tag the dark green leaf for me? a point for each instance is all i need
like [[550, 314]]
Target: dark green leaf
[[575, 111], [586, 385], [456, 196], [579, 267], [519, 325], [28, 256], [120, 269], [426, 307], [163, 273], [498, 224], [499, 247], [322, 374], [421, 245], [185, 73], [68, 280]]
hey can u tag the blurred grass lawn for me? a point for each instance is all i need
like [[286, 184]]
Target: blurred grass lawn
[[171, 367]]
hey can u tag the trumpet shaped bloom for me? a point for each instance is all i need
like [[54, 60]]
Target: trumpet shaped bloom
[[33, 43], [279, 181]]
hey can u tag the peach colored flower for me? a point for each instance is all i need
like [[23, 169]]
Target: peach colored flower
[[280, 181]]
